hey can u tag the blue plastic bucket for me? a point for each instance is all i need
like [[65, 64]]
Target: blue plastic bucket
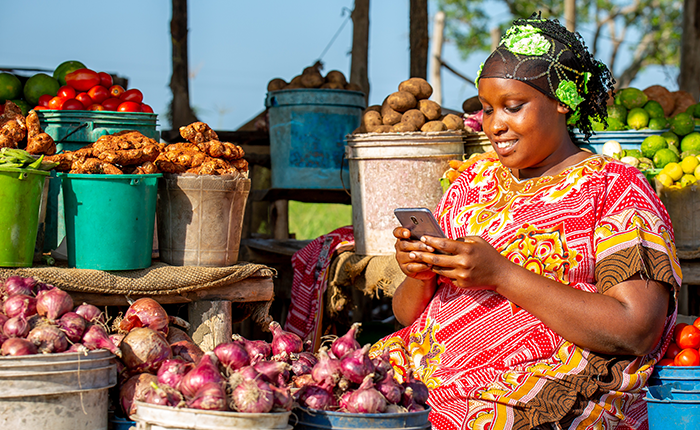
[[668, 413], [307, 131], [669, 374], [312, 419], [118, 423], [628, 139], [109, 220]]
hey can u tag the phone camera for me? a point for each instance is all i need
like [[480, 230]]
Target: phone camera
[[414, 220]]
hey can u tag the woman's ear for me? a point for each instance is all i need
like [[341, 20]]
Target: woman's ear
[[562, 108]]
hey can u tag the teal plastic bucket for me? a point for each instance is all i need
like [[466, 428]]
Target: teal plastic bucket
[[313, 419], [21, 194], [307, 131], [109, 220], [668, 413], [87, 126]]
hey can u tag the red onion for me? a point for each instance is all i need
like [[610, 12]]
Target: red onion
[[390, 388], [73, 325], [164, 396], [257, 349], [248, 372], [17, 346], [48, 339], [135, 388], [327, 371], [40, 286], [419, 391], [53, 303], [3, 338], [231, 355], [90, 313], [284, 341], [409, 402], [303, 363], [176, 335], [19, 304], [150, 314], [144, 350], [117, 338], [3, 319], [282, 398], [303, 380], [211, 396], [205, 371], [19, 285], [382, 365], [315, 397], [275, 372], [347, 342], [187, 350], [357, 364], [172, 371], [16, 327], [78, 347], [95, 337], [250, 395], [365, 400]]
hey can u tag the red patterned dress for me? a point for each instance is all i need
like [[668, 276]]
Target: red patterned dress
[[490, 364]]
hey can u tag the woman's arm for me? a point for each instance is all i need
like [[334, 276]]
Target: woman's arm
[[627, 319], [411, 298]]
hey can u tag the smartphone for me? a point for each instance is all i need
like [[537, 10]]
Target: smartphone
[[420, 221]]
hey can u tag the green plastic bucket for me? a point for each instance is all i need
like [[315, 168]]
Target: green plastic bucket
[[109, 220], [21, 194], [307, 131]]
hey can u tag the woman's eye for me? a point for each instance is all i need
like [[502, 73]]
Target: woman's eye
[[514, 108], [488, 111]]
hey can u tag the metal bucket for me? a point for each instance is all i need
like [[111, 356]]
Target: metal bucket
[[391, 170], [200, 219], [156, 417], [64, 391], [312, 419]]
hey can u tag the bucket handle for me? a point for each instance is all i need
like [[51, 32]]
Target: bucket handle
[[81, 126], [22, 176], [342, 158], [134, 181]]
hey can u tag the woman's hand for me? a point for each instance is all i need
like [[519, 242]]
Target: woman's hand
[[410, 266]]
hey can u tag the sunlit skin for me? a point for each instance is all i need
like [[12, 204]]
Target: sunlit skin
[[628, 319]]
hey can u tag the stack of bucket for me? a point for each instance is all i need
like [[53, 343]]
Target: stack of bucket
[[673, 398]]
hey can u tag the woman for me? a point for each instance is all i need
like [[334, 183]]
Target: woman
[[555, 293]]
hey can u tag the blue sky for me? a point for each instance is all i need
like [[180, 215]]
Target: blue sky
[[235, 48]]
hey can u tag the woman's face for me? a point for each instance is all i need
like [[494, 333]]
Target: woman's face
[[526, 128]]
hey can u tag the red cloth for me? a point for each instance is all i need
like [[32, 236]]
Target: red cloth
[[310, 266]]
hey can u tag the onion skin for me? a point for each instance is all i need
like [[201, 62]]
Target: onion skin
[[53, 303], [284, 341], [232, 355], [135, 388], [205, 371], [73, 325], [176, 335], [257, 349], [273, 372], [390, 388], [16, 327], [357, 364], [90, 313], [315, 397], [17, 346], [210, 396], [365, 400], [283, 399], [19, 304], [95, 337], [187, 350], [165, 396], [48, 339], [149, 313], [172, 371], [144, 350], [418, 393], [250, 395], [346, 343], [19, 285], [327, 371]]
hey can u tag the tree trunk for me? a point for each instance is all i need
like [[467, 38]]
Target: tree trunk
[[689, 77], [419, 38], [360, 45], [179, 81], [570, 14], [436, 55]]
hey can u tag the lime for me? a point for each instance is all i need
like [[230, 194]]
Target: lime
[[665, 156], [38, 85], [651, 144], [674, 170], [665, 180], [671, 137], [618, 112], [65, 68], [615, 125], [696, 172], [24, 106], [689, 163], [654, 109], [687, 153], [632, 98], [691, 142], [688, 179], [694, 110], [682, 124], [636, 153], [597, 126], [658, 124], [10, 87], [637, 118], [675, 151]]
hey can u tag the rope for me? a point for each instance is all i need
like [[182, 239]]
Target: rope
[[337, 33]]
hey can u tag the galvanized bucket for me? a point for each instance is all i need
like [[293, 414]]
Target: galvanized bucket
[[312, 419], [156, 417], [64, 391], [392, 170]]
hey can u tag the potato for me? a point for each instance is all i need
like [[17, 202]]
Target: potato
[[336, 77], [403, 127], [376, 108], [379, 128], [471, 105], [683, 100], [663, 96], [353, 87], [372, 118], [312, 69], [359, 130], [295, 83], [333, 86], [430, 109], [401, 101], [415, 117], [276, 84], [453, 122], [433, 126], [312, 79], [419, 87], [389, 115]]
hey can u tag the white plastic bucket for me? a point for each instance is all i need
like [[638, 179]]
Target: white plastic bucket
[[391, 170]]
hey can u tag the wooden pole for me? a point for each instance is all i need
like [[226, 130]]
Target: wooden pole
[[570, 14], [436, 55], [689, 76], [360, 46], [495, 34], [419, 38], [179, 81]]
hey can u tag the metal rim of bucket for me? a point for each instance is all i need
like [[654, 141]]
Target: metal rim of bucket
[[105, 176]]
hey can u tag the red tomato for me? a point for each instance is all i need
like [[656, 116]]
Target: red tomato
[[696, 323], [40, 107], [678, 328], [72, 104], [116, 90], [105, 79], [44, 100], [129, 107], [132, 95], [96, 106], [687, 357], [146, 108], [98, 93], [85, 99], [665, 362], [67, 92], [672, 351], [56, 102], [688, 337], [82, 79], [111, 103]]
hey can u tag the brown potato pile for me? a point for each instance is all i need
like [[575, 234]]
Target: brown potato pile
[[16, 131], [408, 110], [311, 77]]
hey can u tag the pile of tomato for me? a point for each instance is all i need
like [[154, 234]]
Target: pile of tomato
[[86, 89], [684, 350]]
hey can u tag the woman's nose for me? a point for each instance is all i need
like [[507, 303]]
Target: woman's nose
[[497, 125]]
